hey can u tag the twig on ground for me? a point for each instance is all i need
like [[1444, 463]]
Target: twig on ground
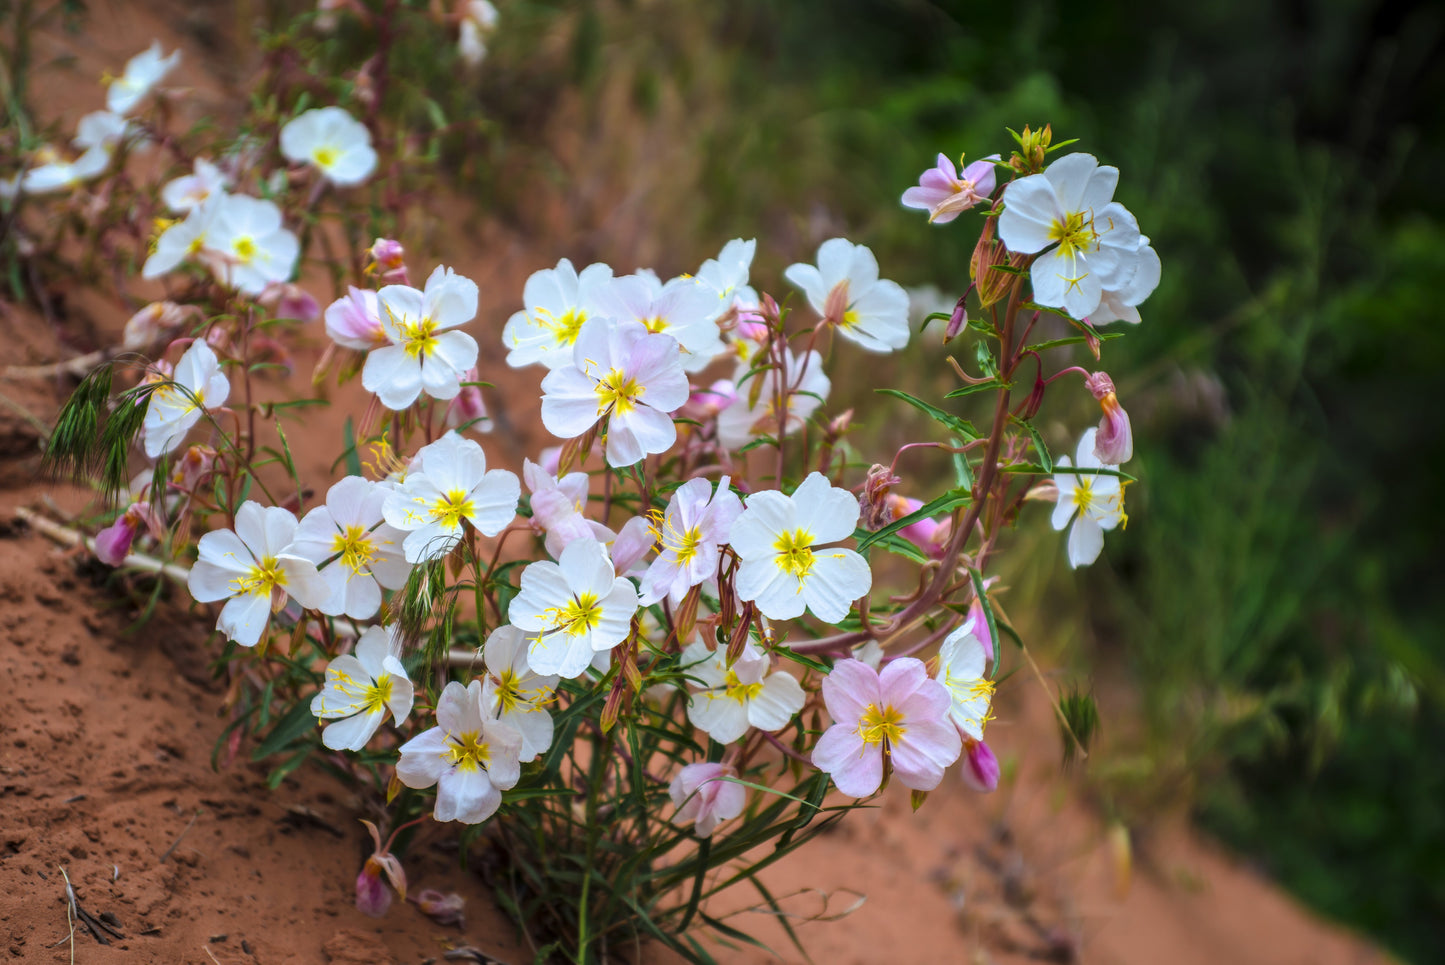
[[69, 913], [78, 367], [175, 844]]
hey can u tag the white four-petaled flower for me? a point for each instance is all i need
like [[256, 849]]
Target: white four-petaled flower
[[577, 607], [470, 756], [781, 570], [175, 406], [448, 483], [246, 243], [845, 290], [365, 552], [516, 694], [337, 144], [734, 698], [142, 72], [360, 688], [1095, 502], [696, 523], [424, 354], [559, 301]]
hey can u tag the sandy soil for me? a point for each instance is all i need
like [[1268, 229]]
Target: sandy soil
[[106, 740]]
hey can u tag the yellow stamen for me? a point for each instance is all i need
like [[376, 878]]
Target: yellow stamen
[[244, 249], [739, 691], [881, 726], [356, 548], [1074, 234], [619, 392], [451, 508], [795, 554], [468, 752], [260, 579], [581, 614], [325, 156]]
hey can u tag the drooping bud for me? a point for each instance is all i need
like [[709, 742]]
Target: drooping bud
[[193, 468], [980, 768], [992, 284], [469, 408], [1114, 442], [373, 897], [444, 909], [112, 544], [389, 259], [956, 321], [874, 507]]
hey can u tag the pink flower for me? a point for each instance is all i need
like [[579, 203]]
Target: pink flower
[[355, 321], [112, 544], [557, 506], [896, 720], [980, 768], [290, 301], [193, 468], [703, 794], [373, 897], [945, 195], [1114, 442], [697, 522]]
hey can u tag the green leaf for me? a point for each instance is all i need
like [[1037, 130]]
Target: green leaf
[[297, 721], [1030, 469], [971, 389], [961, 473], [950, 499], [1071, 340], [954, 424], [352, 457], [1045, 459]]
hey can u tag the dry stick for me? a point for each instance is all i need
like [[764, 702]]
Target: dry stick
[[69, 911], [77, 367], [175, 844]]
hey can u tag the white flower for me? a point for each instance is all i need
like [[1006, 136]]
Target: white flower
[[449, 483], [1098, 500], [368, 552], [622, 373], [577, 607], [334, 141], [682, 308], [726, 276], [696, 523], [142, 72], [175, 406], [360, 688], [184, 239], [1096, 240], [253, 571], [52, 173], [516, 694], [249, 246], [469, 756], [961, 662], [747, 416], [557, 508], [558, 302], [732, 699], [781, 571], [846, 291], [189, 191], [100, 129], [423, 354], [479, 19], [1136, 282]]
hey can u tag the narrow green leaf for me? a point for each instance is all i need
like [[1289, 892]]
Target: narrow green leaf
[[944, 503], [956, 425]]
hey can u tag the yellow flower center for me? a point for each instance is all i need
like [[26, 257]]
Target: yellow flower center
[[619, 392], [565, 328], [881, 726], [451, 508], [581, 614], [468, 751], [260, 578], [686, 546], [325, 156], [656, 325], [356, 548], [795, 554], [1084, 493], [244, 248], [375, 697], [966, 691], [739, 691], [509, 690], [849, 319], [418, 337], [1074, 234]]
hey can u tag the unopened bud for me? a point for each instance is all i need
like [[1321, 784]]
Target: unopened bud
[[1033, 146], [112, 544], [956, 321], [1114, 442], [288, 300], [980, 768], [389, 258], [193, 468], [993, 285], [874, 509]]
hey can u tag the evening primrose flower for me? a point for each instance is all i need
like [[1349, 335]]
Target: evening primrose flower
[[354, 320], [845, 290], [557, 508], [253, 570], [781, 570], [961, 662], [681, 308], [184, 239], [470, 756], [625, 374], [184, 193], [1092, 241], [577, 607], [1114, 442], [101, 129], [337, 144], [703, 795], [450, 483], [945, 194], [423, 355], [1095, 503], [365, 552], [726, 276], [175, 406], [558, 301], [112, 544], [142, 72], [146, 327], [1136, 282], [249, 247], [51, 172], [697, 522], [754, 409], [516, 694], [361, 687], [897, 718], [734, 698]]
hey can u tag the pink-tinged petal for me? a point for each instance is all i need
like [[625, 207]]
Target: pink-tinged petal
[[980, 770], [920, 757], [848, 690], [452, 710], [856, 767], [900, 679]]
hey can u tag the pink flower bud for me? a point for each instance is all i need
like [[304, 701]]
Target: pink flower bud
[[980, 768], [703, 795], [977, 624], [355, 321], [193, 468], [389, 258], [444, 909], [112, 544], [1114, 442], [704, 404], [373, 897], [287, 300], [956, 321]]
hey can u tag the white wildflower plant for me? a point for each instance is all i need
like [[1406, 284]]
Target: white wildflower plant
[[705, 613]]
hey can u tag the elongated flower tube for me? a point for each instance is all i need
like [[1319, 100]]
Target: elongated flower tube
[[897, 718], [781, 569], [360, 689], [253, 570], [577, 607], [449, 483], [470, 756]]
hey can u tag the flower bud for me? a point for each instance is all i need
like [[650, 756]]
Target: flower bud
[[977, 624], [874, 508], [956, 321], [373, 897], [389, 258], [1033, 146], [1114, 442], [444, 909], [287, 300], [992, 285], [112, 544], [980, 768], [193, 468]]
